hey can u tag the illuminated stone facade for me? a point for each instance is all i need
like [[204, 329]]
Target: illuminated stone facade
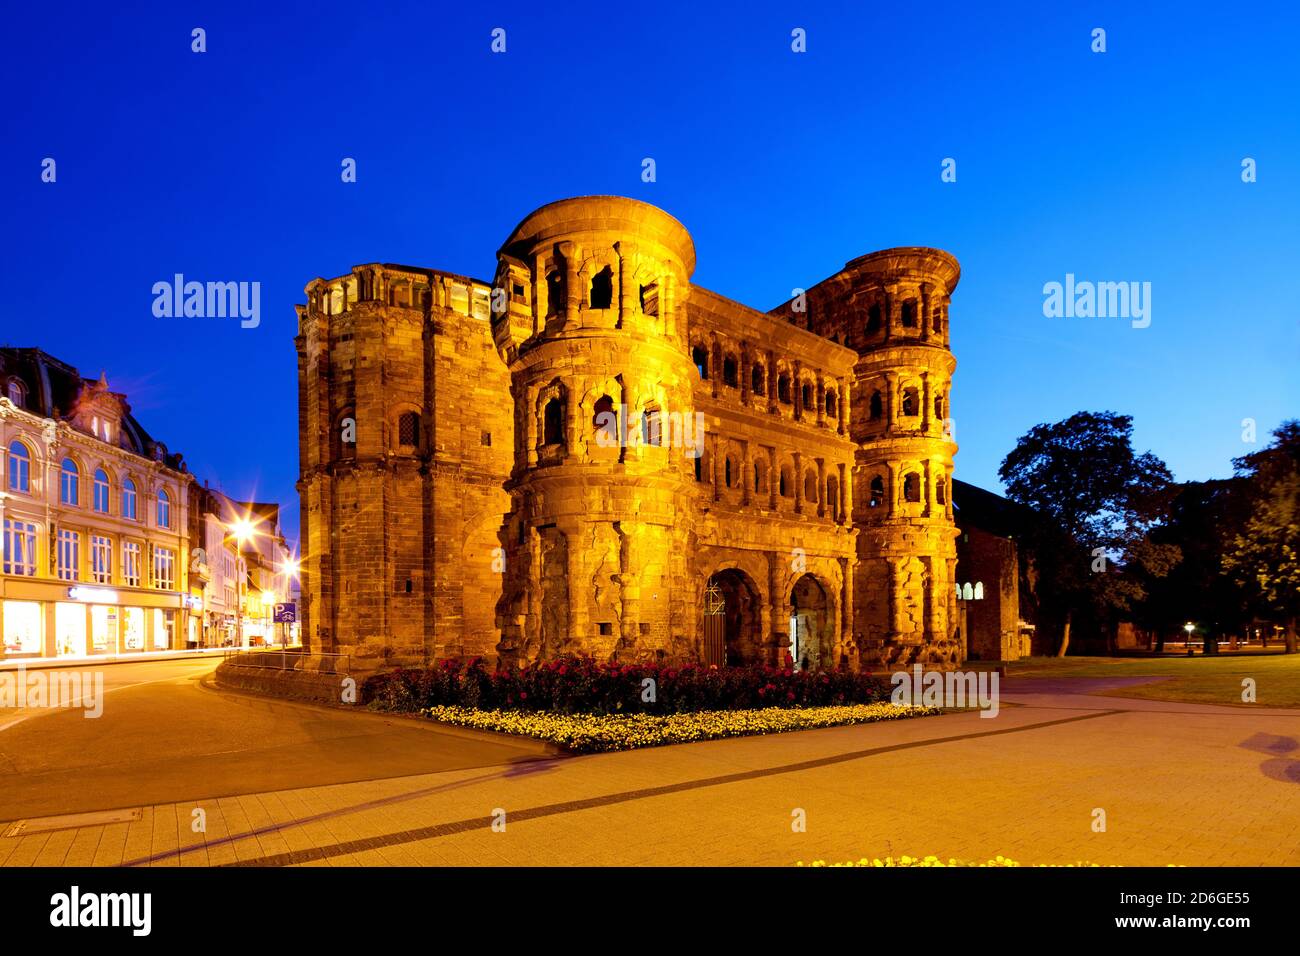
[[590, 454]]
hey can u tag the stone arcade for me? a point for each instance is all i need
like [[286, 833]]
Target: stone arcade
[[482, 510]]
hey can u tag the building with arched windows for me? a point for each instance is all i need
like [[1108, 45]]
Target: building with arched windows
[[94, 515], [592, 454]]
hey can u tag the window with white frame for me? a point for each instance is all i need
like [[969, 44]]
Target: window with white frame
[[69, 482], [69, 555], [131, 563], [19, 547], [101, 559], [128, 499], [164, 568], [17, 392], [164, 509], [20, 467], [101, 491]]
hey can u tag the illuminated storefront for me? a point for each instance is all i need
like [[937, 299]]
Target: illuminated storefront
[[24, 628]]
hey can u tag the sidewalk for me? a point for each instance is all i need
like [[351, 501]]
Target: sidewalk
[[1026, 784]]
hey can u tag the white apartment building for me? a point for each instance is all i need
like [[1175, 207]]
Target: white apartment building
[[94, 557]]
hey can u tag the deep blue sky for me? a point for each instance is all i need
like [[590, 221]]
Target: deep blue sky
[[225, 166]]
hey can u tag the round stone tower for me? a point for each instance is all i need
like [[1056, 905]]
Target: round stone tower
[[586, 314], [891, 307]]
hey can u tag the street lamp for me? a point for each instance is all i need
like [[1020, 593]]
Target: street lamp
[[242, 531], [1189, 627]]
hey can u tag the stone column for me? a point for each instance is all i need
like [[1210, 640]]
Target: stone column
[[771, 380], [745, 365], [797, 384], [627, 294], [846, 496], [571, 291], [746, 476], [578, 596], [925, 311], [821, 487], [773, 477], [798, 483], [925, 402], [927, 493], [842, 406], [821, 400]]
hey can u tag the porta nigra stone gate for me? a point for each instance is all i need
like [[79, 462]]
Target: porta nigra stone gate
[[592, 455]]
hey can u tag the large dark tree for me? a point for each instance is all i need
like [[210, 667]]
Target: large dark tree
[[1097, 503], [1264, 557]]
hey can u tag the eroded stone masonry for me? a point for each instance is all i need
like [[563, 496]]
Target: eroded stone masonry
[[592, 454]]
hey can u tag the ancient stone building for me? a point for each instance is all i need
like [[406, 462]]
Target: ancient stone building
[[590, 454]]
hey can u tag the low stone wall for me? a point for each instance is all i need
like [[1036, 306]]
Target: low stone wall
[[291, 684]]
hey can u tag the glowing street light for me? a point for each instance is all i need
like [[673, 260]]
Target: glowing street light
[[242, 530]]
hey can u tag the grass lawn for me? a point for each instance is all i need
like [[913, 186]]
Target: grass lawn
[[1200, 680]]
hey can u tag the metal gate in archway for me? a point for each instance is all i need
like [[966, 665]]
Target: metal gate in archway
[[715, 625]]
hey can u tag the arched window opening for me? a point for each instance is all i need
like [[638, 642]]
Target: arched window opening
[[938, 406], [760, 477], [968, 592], [783, 389], [602, 289], [909, 314], [912, 488], [874, 320], [757, 380], [553, 422], [730, 372], [810, 487], [20, 468], [700, 357], [877, 406], [877, 492], [979, 590], [726, 472], [408, 430], [101, 495], [650, 299], [128, 499], [833, 497], [909, 402], [164, 509], [937, 321], [784, 483], [69, 482], [605, 420], [941, 491], [831, 404], [651, 431], [554, 292], [809, 397]]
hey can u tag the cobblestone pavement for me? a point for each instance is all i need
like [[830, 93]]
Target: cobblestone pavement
[[1177, 783]]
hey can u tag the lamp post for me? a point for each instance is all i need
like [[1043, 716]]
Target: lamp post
[[289, 568], [1189, 627], [242, 532]]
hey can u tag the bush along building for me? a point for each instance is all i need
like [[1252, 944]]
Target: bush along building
[[591, 454]]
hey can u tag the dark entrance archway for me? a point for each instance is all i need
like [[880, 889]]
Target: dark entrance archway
[[812, 623], [732, 620]]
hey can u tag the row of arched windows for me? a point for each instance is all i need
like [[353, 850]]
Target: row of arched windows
[[758, 383], [70, 487], [757, 480], [910, 490], [909, 404], [910, 317]]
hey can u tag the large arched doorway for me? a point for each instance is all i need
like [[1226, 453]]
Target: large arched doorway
[[732, 620], [812, 624]]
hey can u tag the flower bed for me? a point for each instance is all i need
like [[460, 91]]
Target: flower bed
[[576, 685], [598, 733]]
